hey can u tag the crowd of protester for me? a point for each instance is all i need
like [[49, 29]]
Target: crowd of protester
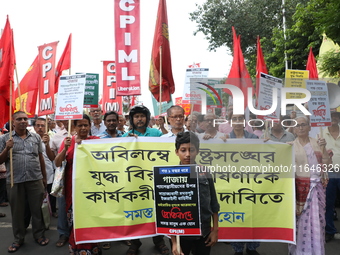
[[38, 150]]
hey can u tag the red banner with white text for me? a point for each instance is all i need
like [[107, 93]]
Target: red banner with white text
[[110, 100], [127, 52], [46, 62]]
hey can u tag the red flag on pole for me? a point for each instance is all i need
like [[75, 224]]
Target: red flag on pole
[[29, 90], [7, 65], [311, 66], [64, 63], [260, 66], [239, 75], [161, 38]]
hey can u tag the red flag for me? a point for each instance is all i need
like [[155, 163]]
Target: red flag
[[260, 66], [311, 66], [161, 38], [29, 90], [239, 75], [7, 65], [64, 63]]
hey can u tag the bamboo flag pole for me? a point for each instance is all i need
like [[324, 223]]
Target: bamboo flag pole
[[160, 79], [10, 132], [69, 121], [19, 91]]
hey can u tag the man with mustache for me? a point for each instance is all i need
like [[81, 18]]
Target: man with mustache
[[97, 125], [139, 117]]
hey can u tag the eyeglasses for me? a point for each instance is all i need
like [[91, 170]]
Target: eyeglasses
[[301, 125], [177, 117], [95, 111], [209, 120]]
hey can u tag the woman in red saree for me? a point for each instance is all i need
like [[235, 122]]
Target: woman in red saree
[[66, 151]]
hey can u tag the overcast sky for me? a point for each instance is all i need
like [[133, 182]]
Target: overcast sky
[[36, 22]]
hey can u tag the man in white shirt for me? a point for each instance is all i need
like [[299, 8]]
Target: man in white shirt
[[176, 119], [97, 125]]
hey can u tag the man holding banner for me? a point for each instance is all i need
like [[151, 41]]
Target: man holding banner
[[139, 117]]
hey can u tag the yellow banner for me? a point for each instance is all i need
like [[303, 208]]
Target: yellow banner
[[113, 187]]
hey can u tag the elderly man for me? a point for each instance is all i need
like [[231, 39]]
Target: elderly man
[[211, 131], [97, 125], [176, 119], [29, 178]]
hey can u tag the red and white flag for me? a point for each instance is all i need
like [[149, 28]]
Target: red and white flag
[[161, 43], [64, 63], [7, 65], [110, 100], [127, 40], [29, 90], [46, 62]]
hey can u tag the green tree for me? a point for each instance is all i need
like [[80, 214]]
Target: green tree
[[252, 18]]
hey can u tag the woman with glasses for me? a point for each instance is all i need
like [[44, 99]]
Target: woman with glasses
[[311, 161]]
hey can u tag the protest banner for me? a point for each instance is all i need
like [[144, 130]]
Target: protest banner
[[255, 188], [265, 96], [70, 99], [295, 79], [91, 90], [113, 183], [177, 203], [110, 100], [116, 190], [189, 93], [163, 105], [318, 105], [127, 50], [46, 62]]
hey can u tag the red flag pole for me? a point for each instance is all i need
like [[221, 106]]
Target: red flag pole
[[160, 80]]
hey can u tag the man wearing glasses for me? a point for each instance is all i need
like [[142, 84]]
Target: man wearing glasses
[[97, 125], [176, 119]]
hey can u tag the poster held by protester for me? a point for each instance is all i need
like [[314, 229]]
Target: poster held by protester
[[266, 98], [91, 90], [318, 105], [176, 200], [70, 99]]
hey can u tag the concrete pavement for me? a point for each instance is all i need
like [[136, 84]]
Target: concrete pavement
[[119, 248]]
